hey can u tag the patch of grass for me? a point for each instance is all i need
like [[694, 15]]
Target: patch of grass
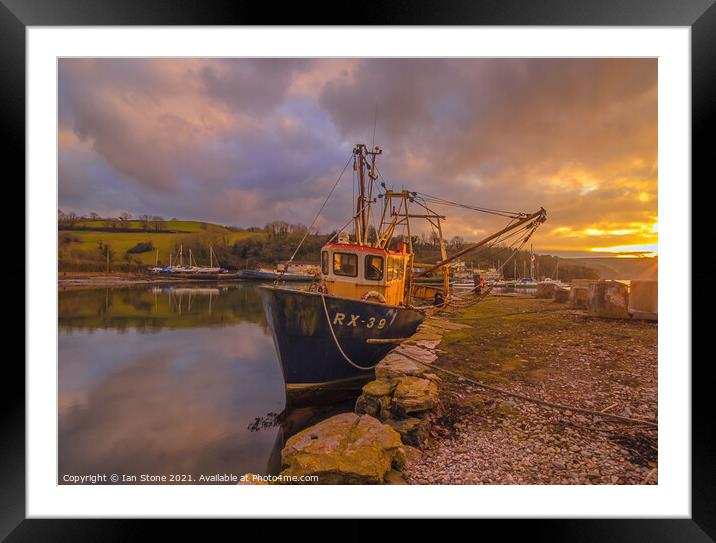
[[520, 339], [121, 242], [137, 224], [506, 340]]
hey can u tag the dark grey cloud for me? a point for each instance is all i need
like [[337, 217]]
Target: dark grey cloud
[[245, 141]]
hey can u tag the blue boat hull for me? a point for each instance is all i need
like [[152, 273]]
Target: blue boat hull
[[306, 348], [273, 276]]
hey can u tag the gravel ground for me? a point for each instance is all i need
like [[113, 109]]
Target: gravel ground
[[554, 354]]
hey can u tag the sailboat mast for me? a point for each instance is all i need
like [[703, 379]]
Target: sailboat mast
[[532, 263]]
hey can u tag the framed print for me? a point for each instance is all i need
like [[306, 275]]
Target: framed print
[[412, 262]]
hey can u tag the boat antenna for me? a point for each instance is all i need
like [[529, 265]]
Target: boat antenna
[[375, 122]]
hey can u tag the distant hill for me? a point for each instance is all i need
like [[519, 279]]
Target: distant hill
[[621, 268], [134, 243]]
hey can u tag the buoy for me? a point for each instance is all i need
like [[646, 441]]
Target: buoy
[[373, 294]]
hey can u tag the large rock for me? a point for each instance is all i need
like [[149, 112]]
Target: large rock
[[395, 365], [394, 477], [413, 431], [417, 354], [375, 399], [414, 395], [379, 387], [344, 449]]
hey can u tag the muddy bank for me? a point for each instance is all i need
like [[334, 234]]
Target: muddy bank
[[544, 350], [78, 280]]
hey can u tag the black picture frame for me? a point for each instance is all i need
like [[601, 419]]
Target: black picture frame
[[699, 15]]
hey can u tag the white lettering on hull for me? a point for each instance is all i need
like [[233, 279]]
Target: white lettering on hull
[[355, 321]]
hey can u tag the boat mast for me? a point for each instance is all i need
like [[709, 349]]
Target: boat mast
[[365, 189]]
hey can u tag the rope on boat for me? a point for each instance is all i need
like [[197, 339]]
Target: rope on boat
[[335, 339]]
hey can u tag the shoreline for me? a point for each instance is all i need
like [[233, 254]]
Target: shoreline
[[80, 280], [545, 350], [563, 403]]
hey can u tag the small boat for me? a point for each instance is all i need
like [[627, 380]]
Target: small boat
[[271, 275], [366, 298]]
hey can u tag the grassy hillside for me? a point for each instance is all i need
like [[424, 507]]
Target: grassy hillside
[[79, 247], [646, 269]]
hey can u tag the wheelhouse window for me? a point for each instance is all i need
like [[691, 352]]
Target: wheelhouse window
[[324, 262], [399, 267], [374, 267], [395, 268], [345, 264]]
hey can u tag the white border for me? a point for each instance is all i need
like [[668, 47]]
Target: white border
[[672, 495]]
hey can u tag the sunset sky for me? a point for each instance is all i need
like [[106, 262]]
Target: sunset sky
[[243, 142]]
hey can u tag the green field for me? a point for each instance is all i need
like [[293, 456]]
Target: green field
[[192, 232], [136, 224]]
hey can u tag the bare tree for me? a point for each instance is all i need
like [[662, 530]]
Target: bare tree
[[457, 242], [434, 238], [158, 222]]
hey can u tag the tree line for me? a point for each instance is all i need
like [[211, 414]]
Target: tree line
[[281, 239], [149, 223]]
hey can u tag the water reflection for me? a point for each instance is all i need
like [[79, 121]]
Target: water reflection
[[157, 308], [179, 399]]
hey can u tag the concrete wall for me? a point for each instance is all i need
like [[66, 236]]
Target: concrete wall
[[579, 293], [644, 299], [608, 299]]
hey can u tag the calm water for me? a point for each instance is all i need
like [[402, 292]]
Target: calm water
[[165, 381]]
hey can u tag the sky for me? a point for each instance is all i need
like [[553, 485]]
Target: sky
[[243, 142]]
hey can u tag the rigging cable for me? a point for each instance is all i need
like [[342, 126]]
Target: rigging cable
[[308, 230]]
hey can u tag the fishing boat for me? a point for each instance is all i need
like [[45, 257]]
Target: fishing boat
[[366, 298]]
